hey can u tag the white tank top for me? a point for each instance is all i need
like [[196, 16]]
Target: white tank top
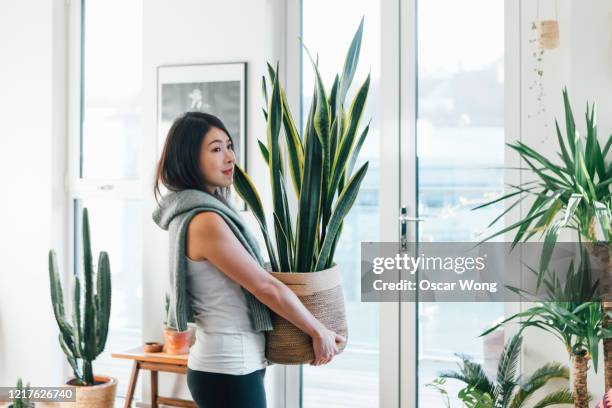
[[226, 341]]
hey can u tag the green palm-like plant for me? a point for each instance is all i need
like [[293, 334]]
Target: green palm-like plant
[[578, 325], [84, 339], [320, 167], [508, 389], [574, 193]]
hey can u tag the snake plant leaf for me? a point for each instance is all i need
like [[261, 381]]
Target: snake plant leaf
[[287, 225], [264, 152], [271, 72], [275, 112], [346, 144], [247, 191], [294, 143], [341, 209], [357, 149], [294, 146], [332, 98], [350, 66], [321, 121], [310, 198], [264, 88], [287, 249]]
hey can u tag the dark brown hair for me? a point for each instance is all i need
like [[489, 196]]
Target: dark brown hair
[[179, 165]]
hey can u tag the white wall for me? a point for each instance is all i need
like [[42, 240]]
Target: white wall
[[583, 63], [32, 110], [192, 32]]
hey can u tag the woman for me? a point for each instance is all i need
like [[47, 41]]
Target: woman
[[226, 365]]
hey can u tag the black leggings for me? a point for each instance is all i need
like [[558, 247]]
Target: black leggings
[[214, 390]]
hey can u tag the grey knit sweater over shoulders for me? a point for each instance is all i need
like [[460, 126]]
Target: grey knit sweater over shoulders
[[173, 214]]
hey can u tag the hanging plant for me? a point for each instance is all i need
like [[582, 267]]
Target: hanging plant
[[545, 36]]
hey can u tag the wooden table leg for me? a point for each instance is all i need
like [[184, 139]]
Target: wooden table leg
[[132, 385], [154, 389]]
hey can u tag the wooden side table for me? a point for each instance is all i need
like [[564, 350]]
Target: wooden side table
[[155, 362]]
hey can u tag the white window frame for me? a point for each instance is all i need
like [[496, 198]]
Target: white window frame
[[76, 187]]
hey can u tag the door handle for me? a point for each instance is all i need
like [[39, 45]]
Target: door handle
[[404, 219]]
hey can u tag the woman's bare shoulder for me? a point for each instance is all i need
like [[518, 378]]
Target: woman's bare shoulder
[[205, 228], [208, 223]]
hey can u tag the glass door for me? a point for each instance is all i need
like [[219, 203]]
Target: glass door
[[437, 149], [459, 132]]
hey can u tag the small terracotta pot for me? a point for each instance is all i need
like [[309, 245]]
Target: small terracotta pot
[[152, 347], [176, 342]]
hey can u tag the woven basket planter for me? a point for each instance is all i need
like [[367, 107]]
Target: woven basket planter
[[321, 293], [101, 395]]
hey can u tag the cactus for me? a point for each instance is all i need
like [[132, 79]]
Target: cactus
[[84, 338], [22, 401]]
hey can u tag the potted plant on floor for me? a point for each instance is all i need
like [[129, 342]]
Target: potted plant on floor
[[321, 170], [83, 336], [22, 400], [573, 193], [578, 325], [508, 389]]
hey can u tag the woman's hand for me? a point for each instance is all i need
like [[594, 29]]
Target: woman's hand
[[325, 346]]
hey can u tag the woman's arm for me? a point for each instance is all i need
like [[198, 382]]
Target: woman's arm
[[210, 238]]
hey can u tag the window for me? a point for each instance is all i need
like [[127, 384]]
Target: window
[[104, 162], [460, 147]]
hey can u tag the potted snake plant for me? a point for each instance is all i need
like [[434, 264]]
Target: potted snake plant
[[83, 336], [320, 167], [572, 193]]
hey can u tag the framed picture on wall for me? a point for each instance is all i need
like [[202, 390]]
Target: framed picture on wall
[[218, 89]]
